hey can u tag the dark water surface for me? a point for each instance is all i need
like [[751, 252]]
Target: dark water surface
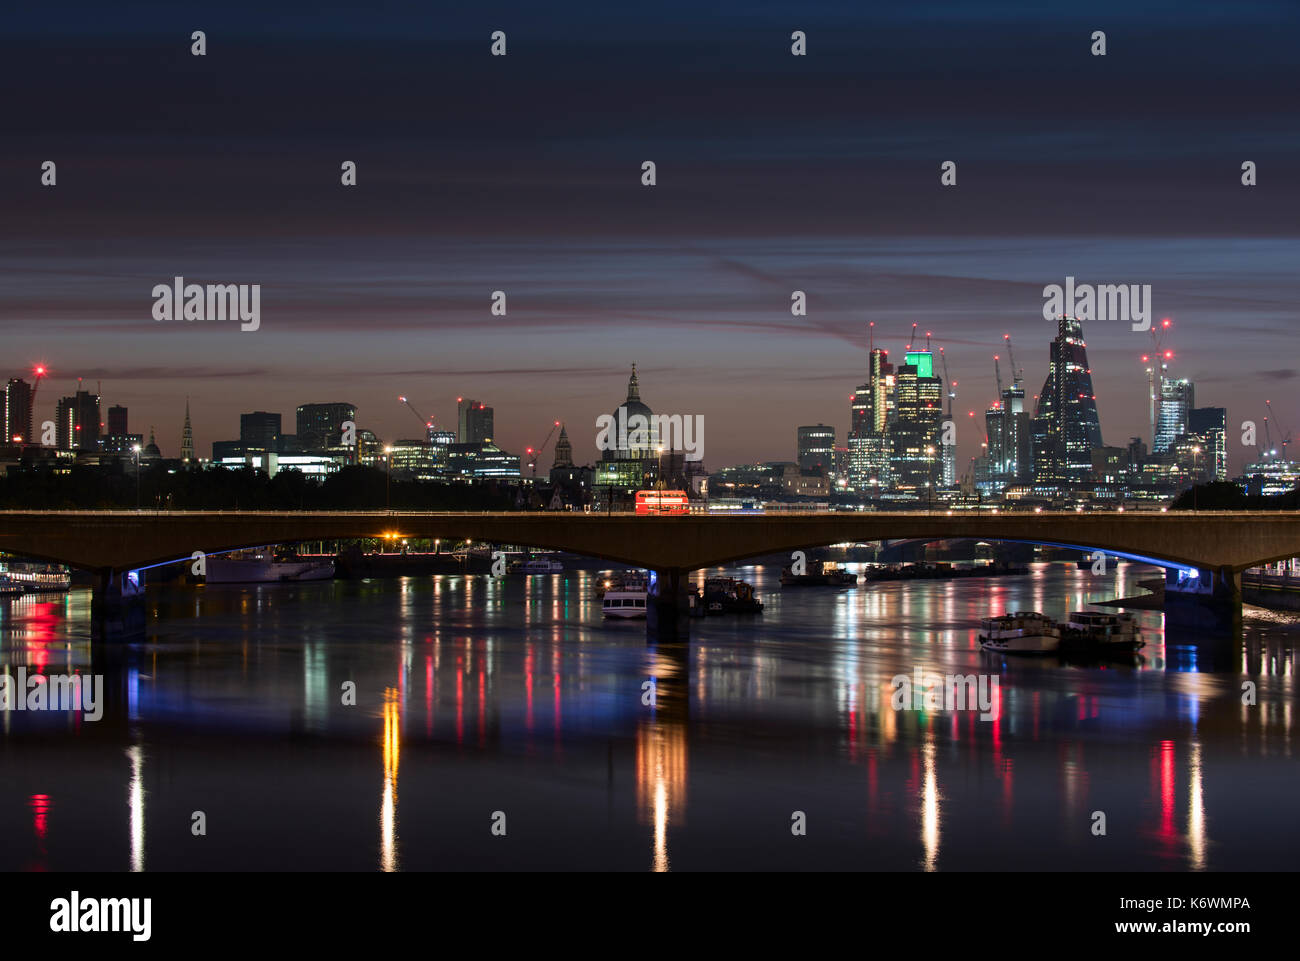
[[476, 696]]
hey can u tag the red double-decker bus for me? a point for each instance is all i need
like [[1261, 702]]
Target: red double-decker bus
[[662, 502]]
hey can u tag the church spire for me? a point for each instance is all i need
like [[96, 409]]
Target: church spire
[[633, 388]]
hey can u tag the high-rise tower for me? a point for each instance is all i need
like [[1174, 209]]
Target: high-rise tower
[[1066, 427]]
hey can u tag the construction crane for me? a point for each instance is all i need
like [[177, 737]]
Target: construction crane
[[534, 454], [952, 384], [423, 420], [1017, 373], [997, 373], [38, 376], [1156, 360], [912, 339], [1283, 433]]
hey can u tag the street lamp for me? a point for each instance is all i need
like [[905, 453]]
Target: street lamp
[[136, 448], [388, 478]]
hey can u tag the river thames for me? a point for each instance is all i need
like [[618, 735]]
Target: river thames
[[510, 702]]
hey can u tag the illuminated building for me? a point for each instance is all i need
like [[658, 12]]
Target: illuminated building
[[1066, 427]]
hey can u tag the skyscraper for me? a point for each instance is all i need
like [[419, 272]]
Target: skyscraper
[[117, 421], [1009, 454], [474, 421], [1066, 427], [1212, 424], [916, 462], [18, 412], [872, 407], [76, 421], [1177, 397]]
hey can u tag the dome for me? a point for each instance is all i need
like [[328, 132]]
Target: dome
[[623, 416]]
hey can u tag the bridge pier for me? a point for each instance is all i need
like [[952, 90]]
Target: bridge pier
[[117, 609], [1209, 602], [668, 607]]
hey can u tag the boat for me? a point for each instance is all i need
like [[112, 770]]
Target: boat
[[730, 595], [634, 580], [624, 603], [1086, 563], [267, 567], [831, 575], [538, 565], [9, 587], [1026, 632], [1100, 631], [38, 578]]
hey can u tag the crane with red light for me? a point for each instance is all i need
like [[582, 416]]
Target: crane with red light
[[533, 455], [38, 375], [1283, 433], [427, 422], [1157, 356]]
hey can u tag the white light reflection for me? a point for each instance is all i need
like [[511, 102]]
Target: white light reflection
[[1196, 839], [930, 807], [135, 801]]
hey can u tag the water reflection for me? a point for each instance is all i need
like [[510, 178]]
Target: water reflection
[[517, 688]]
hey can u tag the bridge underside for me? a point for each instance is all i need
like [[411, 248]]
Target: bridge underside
[[1220, 544]]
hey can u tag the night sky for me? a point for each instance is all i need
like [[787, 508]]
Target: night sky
[[522, 173]]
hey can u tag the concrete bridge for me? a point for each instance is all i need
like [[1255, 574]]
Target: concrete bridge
[[1204, 551]]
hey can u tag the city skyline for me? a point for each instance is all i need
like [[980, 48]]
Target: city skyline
[[971, 434]]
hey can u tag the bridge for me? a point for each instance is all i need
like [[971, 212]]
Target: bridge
[[1204, 551]]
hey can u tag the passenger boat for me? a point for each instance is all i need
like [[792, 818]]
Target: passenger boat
[[730, 595], [9, 586], [1027, 632], [1102, 631], [264, 567], [38, 578], [624, 603], [830, 575]]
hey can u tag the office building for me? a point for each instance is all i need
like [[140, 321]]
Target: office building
[[1066, 426], [816, 449]]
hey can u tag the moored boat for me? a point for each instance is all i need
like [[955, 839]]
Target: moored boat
[[265, 567], [1102, 631], [537, 565], [1026, 632], [830, 575], [624, 603], [730, 595], [38, 578]]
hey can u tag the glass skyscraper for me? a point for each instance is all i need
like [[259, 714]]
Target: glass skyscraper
[[1066, 427]]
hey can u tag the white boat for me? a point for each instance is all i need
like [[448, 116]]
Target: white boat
[[263, 567], [623, 603], [1027, 632], [38, 578], [1102, 631]]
